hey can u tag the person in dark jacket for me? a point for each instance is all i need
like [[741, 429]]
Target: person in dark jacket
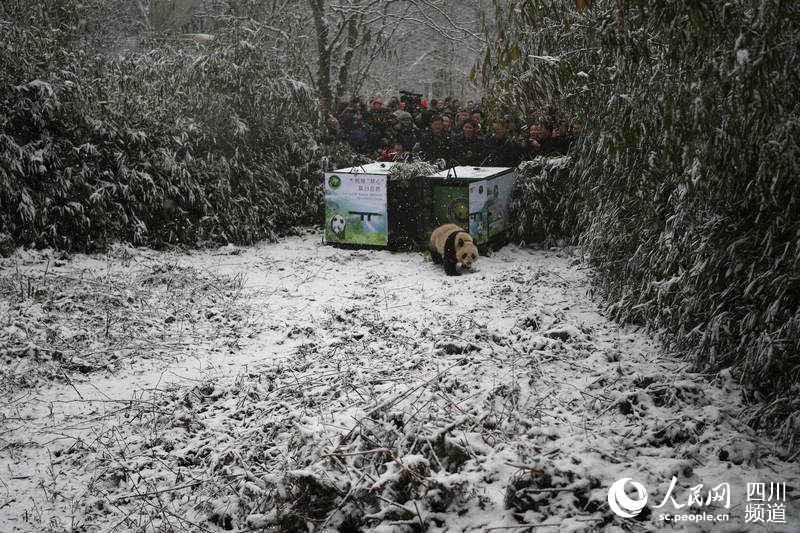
[[559, 143], [403, 131], [428, 114], [358, 134], [376, 110], [435, 142], [378, 122], [540, 142], [461, 118], [346, 118], [535, 139], [454, 106], [499, 152], [468, 145], [334, 130], [477, 117], [448, 124]]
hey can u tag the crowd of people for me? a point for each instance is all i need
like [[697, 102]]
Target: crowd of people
[[446, 129]]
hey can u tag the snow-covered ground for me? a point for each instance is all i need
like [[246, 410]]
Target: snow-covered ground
[[288, 384]]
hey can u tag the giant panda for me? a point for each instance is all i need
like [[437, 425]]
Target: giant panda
[[451, 245]]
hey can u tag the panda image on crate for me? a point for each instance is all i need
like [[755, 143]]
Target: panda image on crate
[[338, 225], [356, 206]]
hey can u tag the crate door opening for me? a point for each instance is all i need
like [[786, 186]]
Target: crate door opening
[[449, 205], [355, 206]]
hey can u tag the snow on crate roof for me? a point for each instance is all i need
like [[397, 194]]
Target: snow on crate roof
[[370, 168], [468, 172], [472, 172]]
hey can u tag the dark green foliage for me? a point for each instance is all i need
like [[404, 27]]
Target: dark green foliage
[[688, 169], [544, 204], [177, 145]]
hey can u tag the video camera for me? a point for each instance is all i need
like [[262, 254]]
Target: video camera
[[413, 101]]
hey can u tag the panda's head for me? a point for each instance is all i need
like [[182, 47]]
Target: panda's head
[[337, 225], [466, 251]]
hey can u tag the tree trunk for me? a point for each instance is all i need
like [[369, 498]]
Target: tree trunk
[[323, 53], [347, 60]]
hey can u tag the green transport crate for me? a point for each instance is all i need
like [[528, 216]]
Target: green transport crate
[[365, 208], [475, 198]]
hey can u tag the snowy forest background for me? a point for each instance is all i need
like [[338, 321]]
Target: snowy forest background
[[194, 123]]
